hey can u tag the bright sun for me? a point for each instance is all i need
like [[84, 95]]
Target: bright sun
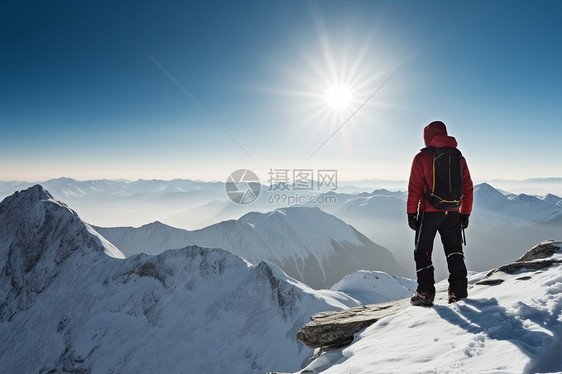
[[339, 97]]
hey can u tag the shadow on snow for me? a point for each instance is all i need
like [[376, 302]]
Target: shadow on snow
[[486, 318]]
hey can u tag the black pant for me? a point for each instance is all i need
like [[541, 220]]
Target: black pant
[[448, 225]]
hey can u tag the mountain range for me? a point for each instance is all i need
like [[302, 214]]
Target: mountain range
[[501, 225], [70, 302], [307, 243]]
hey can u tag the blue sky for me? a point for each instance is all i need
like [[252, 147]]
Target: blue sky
[[107, 89]]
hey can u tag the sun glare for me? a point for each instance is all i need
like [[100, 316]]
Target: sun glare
[[339, 97], [334, 83]]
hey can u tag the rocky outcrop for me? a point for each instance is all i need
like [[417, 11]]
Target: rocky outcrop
[[538, 257], [331, 330], [543, 250]]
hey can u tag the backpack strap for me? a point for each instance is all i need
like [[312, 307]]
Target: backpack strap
[[430, 190]]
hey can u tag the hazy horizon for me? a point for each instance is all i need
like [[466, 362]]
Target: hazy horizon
[[531, 186]]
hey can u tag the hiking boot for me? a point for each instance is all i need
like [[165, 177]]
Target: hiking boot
[[422, 299], [454, 297]]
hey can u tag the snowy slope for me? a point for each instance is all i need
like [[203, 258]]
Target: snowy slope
[[35, 207], [511, 323], [152, 238], [307, 243], [373, 287], [69, 304]]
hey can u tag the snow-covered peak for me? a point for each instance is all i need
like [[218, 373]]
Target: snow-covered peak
[[37, 235], [36, 192], [522, 208], [34, 211], [311, 225], [30, 204], [524, 198], [156, 224], [72, 308], [371, 287], [484, 191], [307, 243], [552, 199], [23, 200]]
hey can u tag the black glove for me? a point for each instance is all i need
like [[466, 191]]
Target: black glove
[[413, 221], [464, 220]]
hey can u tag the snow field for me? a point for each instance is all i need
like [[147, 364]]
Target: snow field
[[511, 327]]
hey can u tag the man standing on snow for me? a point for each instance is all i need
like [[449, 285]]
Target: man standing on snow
[[426, 219]]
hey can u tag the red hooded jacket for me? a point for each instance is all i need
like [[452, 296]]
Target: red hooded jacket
[[421, 176]]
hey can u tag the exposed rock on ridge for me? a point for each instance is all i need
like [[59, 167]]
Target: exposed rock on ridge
[[331, 330]]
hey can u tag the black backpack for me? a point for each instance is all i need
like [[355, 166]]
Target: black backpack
[[447, 189]]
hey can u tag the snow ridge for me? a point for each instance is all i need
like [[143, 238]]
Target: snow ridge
[[67, 306], [307, 243]]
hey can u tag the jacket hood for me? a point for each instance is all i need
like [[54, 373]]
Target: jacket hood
[[435, 135]]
